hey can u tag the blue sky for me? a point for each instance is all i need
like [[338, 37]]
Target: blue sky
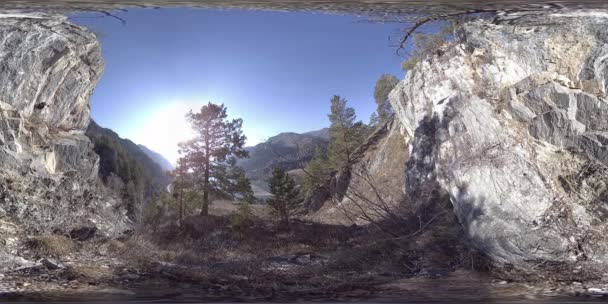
[[275, 70]]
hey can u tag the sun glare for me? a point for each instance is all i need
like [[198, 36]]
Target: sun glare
[[167, 127]]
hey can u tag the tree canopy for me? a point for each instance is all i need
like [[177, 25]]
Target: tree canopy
[[286, 196], [384, 86], [206, 156], [345, 133]]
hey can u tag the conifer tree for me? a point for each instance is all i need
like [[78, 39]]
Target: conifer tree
[[384, 86], [318, 170], [234, 183], [182, 182], [216, 139], [285, 196], [345, 133]]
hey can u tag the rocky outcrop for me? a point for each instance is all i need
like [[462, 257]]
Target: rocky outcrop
[[48, 70], [511, 120]]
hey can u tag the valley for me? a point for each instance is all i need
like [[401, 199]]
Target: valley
[[480, 175]]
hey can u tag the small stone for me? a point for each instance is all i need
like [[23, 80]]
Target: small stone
[[130, 276], [597, 291], [303, 259], [52, 264]]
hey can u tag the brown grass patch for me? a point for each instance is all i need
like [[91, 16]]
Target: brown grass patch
[[92, 273], [137, 251], [51, 245]]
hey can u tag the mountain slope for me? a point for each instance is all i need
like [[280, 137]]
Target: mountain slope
[[126, 168], [158, 158], [288, 150]]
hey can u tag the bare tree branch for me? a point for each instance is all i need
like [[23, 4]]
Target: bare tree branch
[[412, 29]]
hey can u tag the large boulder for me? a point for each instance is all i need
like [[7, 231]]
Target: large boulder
[[511, 120], [48, 70]]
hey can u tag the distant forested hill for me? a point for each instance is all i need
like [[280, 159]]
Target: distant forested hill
[[126, 168], [289, 150]]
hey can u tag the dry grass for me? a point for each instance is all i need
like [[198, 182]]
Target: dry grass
[[227, 208], [209, 250], [52, 245], [138, 251], [91, 273]]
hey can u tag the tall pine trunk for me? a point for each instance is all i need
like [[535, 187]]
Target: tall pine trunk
[[205, 207], [284, 217], [181, 205]]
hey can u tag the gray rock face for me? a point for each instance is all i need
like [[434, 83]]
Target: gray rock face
[[512, 122], [48, 70]]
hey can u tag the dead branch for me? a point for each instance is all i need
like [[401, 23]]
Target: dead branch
[[108, 14], [412, 29]]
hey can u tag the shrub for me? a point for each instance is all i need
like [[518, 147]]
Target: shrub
[[425, 44], [243, 219]]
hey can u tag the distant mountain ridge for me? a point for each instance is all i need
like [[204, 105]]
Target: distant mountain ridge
[[158, 158], [288, 150], [323, 133]]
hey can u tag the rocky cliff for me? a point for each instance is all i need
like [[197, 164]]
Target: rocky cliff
[[48, 70], [511, 120]]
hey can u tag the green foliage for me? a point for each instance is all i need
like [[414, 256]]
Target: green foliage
[[243, 219], [345, 133], [232, 183], [426, 44], [318, 171], [208, 154], [374, 120], [383, 88], [286, 196]]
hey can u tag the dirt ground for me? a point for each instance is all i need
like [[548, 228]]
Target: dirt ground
[[207, 260]]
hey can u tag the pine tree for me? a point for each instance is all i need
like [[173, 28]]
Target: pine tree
[[242, 219], [385, 84], [286, 196], [374, 120], [245, 190], [318, 170], [345, 134], [234, 183], [217, 139], [182, 181]]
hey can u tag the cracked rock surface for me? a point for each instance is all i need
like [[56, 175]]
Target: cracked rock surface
[[512, 121], [48, 70]]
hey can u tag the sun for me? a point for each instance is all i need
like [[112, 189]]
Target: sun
[[163, 129]]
